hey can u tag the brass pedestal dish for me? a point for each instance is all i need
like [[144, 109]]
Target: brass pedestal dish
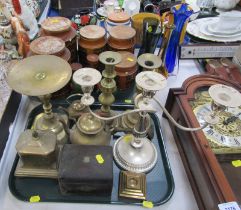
[[41, 75]]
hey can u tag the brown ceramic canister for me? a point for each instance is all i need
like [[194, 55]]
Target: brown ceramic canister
[[126, 70], [92, 37], [122, 38], [52, 27], [92, 41], [56, 25], [118, 17], [47, 45]]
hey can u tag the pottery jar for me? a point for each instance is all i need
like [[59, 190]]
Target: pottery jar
[[122, 38], [92, 41], [126, 70]]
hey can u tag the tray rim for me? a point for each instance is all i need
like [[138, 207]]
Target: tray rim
[[161, 144]]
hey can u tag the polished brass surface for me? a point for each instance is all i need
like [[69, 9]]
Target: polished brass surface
[[38, 154], [89, 130], [36, 143], [149, 62], [108, 84], [54, 122], [39, 75], [132, 185], [49, 171], [89, 124]]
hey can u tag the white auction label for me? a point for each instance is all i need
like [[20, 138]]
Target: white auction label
[[229, 206]]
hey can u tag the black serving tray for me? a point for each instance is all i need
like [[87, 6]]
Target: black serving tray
[[160, 184]]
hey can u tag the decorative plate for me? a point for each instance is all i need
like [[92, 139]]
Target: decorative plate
[[193, 28]]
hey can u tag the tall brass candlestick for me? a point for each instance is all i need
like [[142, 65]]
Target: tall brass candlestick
[[108, 84]]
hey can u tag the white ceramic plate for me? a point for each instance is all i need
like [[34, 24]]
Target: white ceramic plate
[[211, 28], [193, 28], [204, 29]]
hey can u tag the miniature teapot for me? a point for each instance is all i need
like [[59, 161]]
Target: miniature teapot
[[89, 130]]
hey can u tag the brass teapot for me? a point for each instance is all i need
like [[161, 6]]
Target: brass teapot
[[90, 130]]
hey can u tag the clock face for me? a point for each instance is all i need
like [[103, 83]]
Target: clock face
[[225, 136]]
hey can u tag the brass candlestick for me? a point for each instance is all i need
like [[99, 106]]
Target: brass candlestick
[[149, 62], [54, 122], [108, 84]]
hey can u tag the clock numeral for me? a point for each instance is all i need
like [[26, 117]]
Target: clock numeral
[[237, 142], [222, 138], [210, 132]]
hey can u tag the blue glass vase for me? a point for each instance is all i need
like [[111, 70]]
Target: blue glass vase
[[180, 15]]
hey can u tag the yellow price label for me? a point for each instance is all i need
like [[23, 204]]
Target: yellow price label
[[34, 199], [128, 101], [149, 29], [128, 138], [147, 204], [99, 159], [130, 59], [54, 21], [236, 163]]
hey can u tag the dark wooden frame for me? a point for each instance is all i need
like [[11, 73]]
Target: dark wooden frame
[[208, 181]]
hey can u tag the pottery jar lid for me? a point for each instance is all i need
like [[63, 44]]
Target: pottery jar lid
[[56, 24], [122, 32], [38, 142], [47, 45], [89, 124], [66, 36], [118, 17], [128, 61], [92, 32]]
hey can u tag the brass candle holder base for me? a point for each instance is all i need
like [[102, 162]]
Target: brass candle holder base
[[38, 154], [42, 122], [132, 185], [49, 171]]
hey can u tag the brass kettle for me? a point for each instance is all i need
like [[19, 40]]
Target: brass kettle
[[90, 130]]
